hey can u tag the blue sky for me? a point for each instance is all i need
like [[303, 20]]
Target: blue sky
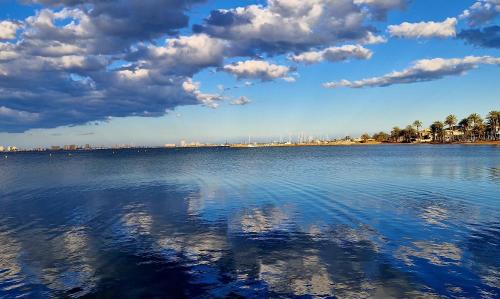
[[122, 75]]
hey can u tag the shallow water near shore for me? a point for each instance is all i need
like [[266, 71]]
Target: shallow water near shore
[[348, 222]]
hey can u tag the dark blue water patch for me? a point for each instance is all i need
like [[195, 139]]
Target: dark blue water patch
[[377, 221]]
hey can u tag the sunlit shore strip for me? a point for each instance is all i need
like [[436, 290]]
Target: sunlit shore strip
[[354, 143], [470, 130], [258, 145]]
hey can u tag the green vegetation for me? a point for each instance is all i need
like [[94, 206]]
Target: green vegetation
[[381, 137], [470, 129], [365, 137]]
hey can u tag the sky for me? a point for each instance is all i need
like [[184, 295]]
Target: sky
[[151, 72]]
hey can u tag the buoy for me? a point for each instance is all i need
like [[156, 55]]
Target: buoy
[[6, 156]]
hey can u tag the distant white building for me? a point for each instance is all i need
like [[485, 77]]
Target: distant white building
[[1, 148], [425, 136], [453, 134]]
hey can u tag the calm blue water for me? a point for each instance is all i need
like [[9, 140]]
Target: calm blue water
[[346, 222]]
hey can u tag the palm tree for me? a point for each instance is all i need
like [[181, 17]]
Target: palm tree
[[417, 124], [474, 119], [464, 126], [365, 137], [437, 130], [476, 124], [409, 133], [450, 121], [395, 133], [494, 124], [381, 136]]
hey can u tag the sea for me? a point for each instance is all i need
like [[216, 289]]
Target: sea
[[376, 221]]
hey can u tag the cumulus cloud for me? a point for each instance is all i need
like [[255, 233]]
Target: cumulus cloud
[[373, 39], [296, 25], [7, 112], [488, 37], [7, 52], [130, 20], [75, 62], [183, 55], [76, 89], [102, 27], [257, 69], [481, 12], [9, 118], [209, 100], [421, 71], [241, 101], [8, 29], [333, 54], [424, 29], [65, 70], [379, 8]]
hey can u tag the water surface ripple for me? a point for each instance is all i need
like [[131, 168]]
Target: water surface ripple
[[346, 222]]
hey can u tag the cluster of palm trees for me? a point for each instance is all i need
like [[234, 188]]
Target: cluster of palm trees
[[470, 129]]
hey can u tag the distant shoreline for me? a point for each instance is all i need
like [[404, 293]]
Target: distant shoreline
[[363, 144], [262, 145]]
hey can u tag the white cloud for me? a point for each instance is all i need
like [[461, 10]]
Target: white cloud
[[54, 72], [187, 54], [297, 25], [8, 29], [379, 8], [18, 115], [78, 62], [482, 11], [73, 62], [257, 69], [113, 25], [209, 100], [133, 75], [190, 86], [383, 3], [241, 101], [447, 28], [421, 71], [333, 54], [8, 52], [371, 39]]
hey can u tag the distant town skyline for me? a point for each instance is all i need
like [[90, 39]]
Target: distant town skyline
[[216, 71]]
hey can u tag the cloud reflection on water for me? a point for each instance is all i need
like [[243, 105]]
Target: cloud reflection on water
[[324, 235], [437, 254], [262, 247]]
